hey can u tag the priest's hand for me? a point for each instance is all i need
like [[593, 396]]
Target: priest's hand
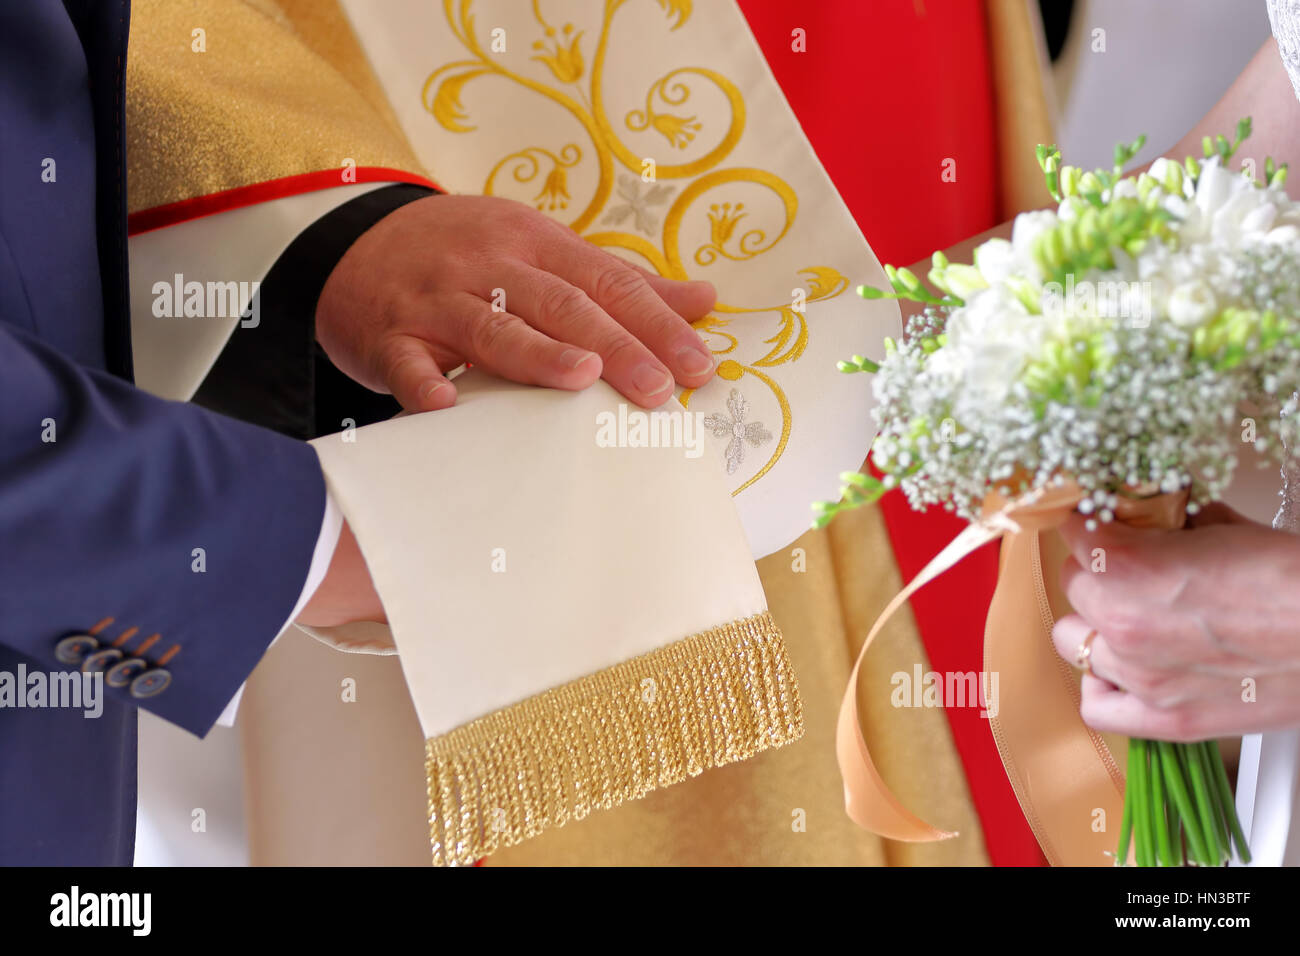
[[1197, 630], [450, 279], [346, 594]]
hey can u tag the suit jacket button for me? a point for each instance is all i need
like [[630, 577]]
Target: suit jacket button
[[100, 660], [151, 683], [124, 672], [74, 648]]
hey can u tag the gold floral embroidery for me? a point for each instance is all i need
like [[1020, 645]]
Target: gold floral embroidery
[[526, 165], [678, 130], [565, 59], [446, 106], [738, 229]]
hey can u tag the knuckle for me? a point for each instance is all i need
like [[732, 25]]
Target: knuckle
[[391, 350], [562, 302], [1151, 687], [396, 360], [618, 344], [393, 360], [490, 329], [663, 324], [618, 285], [1123, 631]]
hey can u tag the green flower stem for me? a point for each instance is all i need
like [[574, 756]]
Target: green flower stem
[[1141, 795], [1158, 823], [1229, 803], [1175, 824], [1216, 799], [1204, 808], [1176, 784], [1126, 821]]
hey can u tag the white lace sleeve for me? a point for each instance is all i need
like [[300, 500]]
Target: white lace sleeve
[[1284, 17], [1288, 514]]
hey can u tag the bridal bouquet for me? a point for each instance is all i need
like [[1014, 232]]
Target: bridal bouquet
[[1114, 343]]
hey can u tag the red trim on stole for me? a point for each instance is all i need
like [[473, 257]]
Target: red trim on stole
[[886, 93], [159, 217]]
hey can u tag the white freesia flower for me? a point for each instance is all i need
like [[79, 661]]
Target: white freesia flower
[[1028, 227], [1158, 169], [1235, 220], [964, 281], [1214, 186], [1192, 304], [990, 340], [1228, 208], [997, 260], [1124, 189], [1260, 219], [1182, 209]]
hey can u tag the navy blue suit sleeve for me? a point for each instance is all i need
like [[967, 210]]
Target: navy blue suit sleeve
[[192, 531]]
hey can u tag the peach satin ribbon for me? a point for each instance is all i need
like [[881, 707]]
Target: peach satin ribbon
[[1063, 773]]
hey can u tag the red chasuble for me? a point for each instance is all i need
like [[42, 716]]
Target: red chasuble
[[930, 60]]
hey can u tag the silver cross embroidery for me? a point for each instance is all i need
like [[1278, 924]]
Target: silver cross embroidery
[[740, 430]]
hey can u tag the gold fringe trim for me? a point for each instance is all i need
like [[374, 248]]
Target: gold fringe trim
[[710, 699]]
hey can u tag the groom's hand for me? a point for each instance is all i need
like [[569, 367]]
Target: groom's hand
[[1197, 631], [450, 279]]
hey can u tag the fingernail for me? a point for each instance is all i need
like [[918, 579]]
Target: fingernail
[[650, 379], [694, 361], [428, 388], [575, 357]]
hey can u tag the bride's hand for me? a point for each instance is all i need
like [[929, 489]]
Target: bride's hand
[[450, 279], [1198, 630]]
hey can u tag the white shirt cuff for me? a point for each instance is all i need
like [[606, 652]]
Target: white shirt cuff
[[326, 542]]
